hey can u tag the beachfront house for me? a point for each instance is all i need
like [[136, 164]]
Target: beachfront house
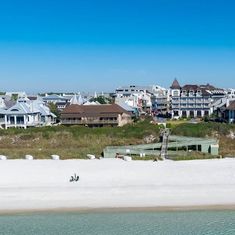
[[26, 113], [19, 115], [95, 115]]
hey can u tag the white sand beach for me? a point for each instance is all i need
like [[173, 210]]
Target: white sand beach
[[114, 183]]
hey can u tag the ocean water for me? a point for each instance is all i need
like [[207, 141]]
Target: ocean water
[[123, 223]]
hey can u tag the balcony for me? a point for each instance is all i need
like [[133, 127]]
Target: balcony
[[88, 122], [206, 101], [175, 101]]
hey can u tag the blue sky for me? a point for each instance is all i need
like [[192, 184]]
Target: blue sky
[[85, 45]]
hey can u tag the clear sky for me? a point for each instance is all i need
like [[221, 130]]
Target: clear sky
[[98, 45]]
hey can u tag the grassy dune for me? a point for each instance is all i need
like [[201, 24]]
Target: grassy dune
[[220, 131], [71, 142], [77, 142]]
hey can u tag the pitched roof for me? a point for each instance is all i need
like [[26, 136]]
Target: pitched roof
[[126, 107], [208, 87], [75, 110], [189, 87], [20, 108], [74, 100], [9, 103], [175, 84], [231, 105], [54, 97]]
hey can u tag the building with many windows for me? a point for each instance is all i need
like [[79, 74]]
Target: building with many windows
[[25, 113], [95, 115], [193, 100], [147, 99]]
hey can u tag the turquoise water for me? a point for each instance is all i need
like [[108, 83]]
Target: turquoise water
[[108, 223]]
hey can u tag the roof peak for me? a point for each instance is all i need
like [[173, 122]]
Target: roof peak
[[175, 84]]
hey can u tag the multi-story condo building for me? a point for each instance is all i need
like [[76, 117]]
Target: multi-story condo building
[[160, 102], [145, 98], [193, 100]]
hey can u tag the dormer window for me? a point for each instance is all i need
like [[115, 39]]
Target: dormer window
[[175, 93]]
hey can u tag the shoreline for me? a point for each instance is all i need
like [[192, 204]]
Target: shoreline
[[112, 185], [119, 209]]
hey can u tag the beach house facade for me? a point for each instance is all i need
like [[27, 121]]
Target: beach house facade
[[26, 113], [95, 115], [193, 101]]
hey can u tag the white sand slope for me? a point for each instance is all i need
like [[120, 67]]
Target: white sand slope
[[108, 183]]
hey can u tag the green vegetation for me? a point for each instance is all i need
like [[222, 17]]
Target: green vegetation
[[202, 129], [53, 108], [78, 141], [220, 131], [71, 142], [14, 97], [102, 100]]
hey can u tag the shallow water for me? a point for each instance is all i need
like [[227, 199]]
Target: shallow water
[[108, 223]]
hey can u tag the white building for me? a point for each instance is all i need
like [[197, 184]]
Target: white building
[[141, 97], [26, 113], [189, 100]]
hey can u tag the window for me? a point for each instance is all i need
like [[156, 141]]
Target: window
[[191, 92], [199, 113], [184, 114]]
